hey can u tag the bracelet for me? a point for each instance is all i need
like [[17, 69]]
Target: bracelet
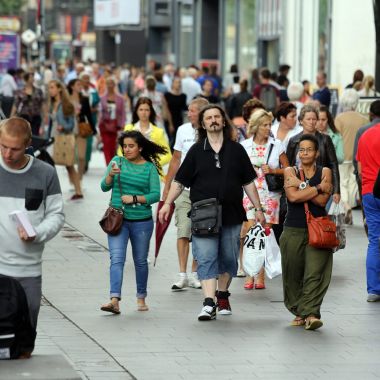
[[259, 209], [134, 199]]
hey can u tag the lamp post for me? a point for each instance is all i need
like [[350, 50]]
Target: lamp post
[[41, 30]]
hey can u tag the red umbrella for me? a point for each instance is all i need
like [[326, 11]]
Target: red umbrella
[[161, 228]]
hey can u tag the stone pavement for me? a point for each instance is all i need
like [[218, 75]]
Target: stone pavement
[[168, 342]]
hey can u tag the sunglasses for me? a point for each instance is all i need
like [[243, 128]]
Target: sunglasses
[[217, 161]]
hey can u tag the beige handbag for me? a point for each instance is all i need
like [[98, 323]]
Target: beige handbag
[[64, 149]]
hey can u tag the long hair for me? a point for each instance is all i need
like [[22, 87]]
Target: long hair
[[71, 84], [150, 151], [330, 119], [227, 129], [152, 115], [67, 106]]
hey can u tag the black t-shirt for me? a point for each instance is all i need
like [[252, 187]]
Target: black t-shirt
[[296, 217], [177, 105], [199, 172]]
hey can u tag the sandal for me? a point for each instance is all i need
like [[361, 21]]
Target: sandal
[[111, 308], [298, 321], [313, 323], [142, 308]]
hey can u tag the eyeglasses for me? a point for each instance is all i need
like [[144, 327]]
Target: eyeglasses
[[217, 161], [307, 150]]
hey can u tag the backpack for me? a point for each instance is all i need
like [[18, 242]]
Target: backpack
[[17, 335], [268, 96]]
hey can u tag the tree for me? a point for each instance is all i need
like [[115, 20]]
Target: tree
[[11, 7], [376, 10]]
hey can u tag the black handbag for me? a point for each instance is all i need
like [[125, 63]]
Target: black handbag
[[113, 218], [275, 182], [206, 217]]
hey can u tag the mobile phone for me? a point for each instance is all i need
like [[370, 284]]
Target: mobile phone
[[114, 165]]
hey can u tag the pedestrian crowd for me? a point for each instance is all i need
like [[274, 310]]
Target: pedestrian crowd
[[249, 151]]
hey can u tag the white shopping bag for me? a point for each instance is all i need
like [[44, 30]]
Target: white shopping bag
[[272, 257], [337, 214], [254, 250]]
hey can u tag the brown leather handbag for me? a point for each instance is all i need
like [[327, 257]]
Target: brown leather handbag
[[322, 230], [113, 218], [84, 129]]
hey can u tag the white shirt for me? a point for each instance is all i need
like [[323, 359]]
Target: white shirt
[[8, 85], [297, 129], [191, 88], [185, 139]]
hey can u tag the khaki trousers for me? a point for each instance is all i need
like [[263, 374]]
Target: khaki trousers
[[348, 185], [306, 272]]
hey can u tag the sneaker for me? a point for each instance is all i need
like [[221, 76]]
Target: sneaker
[[181, 283], [193, 281], [224, 307], [207, 313], [373, 297]]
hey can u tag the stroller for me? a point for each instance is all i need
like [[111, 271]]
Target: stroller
[[38, 147]]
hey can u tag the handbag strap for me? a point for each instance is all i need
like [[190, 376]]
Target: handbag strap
[[302, 175], [270, 151], [224, 177]]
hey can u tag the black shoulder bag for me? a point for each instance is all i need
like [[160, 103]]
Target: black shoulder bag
[[275, 182], [206, 215]]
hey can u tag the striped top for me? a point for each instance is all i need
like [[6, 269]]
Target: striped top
[[135, 179]]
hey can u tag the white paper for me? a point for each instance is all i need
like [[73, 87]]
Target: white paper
[[20, 218]]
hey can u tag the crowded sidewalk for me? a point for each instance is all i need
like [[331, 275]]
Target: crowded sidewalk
[[167, 342]]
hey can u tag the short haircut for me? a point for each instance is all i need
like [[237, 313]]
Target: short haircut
[[310, 137], [349, 100], [17, 127], [284, 110], [251, 105], [375, 108], [199, 102], [308, 108], [295, 91], [265, 73]]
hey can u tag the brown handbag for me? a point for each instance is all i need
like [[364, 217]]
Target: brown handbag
[[84, 129], [322, 230], [112, 219]]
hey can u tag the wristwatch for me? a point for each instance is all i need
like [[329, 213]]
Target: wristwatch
[[302, 186]]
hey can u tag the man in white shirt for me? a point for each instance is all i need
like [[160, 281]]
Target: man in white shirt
[[190, 87], [185, 138], [8, 88]]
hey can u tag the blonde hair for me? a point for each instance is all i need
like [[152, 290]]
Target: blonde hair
[[16, 127], [368, 83], [258, 118]]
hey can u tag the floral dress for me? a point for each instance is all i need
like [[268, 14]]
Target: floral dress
[[270, 201]]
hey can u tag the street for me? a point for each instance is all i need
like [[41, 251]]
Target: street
[[168, 342]]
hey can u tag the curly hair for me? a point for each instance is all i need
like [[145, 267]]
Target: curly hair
[[227, 129], [250, 106], [152, 115], [150, 151]]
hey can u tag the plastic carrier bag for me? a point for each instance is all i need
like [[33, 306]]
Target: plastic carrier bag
[[254, 250], [272, 257], [336, 214]]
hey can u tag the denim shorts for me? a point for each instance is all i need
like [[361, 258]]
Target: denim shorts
[[219, 254]]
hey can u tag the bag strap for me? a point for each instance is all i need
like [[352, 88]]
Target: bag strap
[[302, 175], [270, 151], [224, 177]]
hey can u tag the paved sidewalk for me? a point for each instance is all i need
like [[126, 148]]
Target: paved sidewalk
[[168, 342]]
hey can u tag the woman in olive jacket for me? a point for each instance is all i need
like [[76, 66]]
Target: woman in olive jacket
[[327, 156]]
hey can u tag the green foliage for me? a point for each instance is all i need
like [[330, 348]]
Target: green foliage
[[11, 7]]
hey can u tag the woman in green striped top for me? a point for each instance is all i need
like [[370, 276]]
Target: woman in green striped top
[[138, 171]]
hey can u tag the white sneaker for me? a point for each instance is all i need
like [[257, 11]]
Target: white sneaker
[[181, 283], [207, 313], [193, 281]]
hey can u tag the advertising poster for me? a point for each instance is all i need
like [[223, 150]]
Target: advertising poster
[[9, 51]]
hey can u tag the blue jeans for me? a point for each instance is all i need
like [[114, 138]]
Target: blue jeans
[[217, 254], [140, 233], [372, 213]]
